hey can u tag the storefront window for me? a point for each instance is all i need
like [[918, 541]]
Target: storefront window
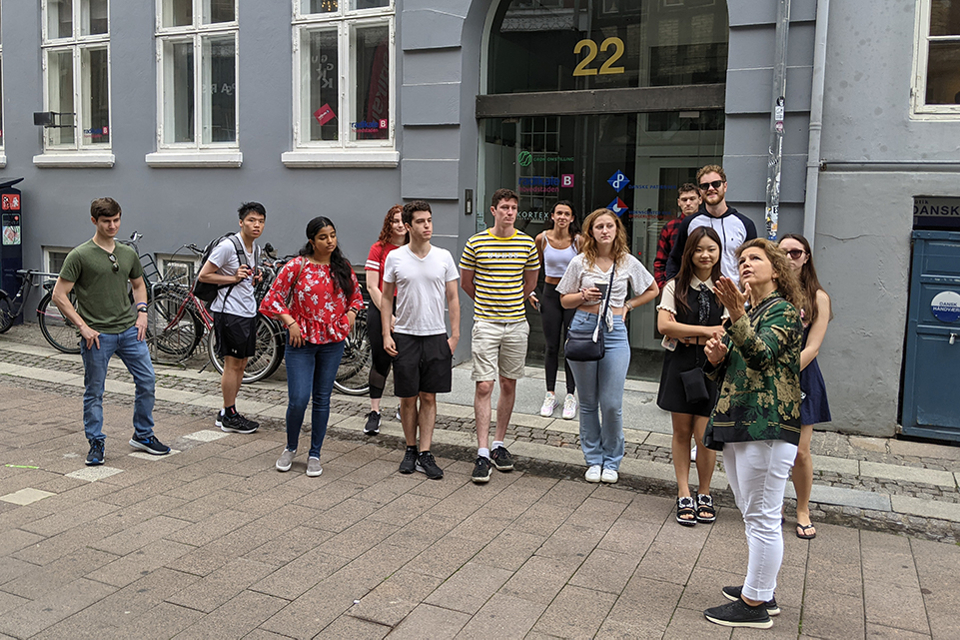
[[564, 45]]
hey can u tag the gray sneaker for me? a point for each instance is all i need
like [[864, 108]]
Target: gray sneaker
[[286, 460], [313, 467]]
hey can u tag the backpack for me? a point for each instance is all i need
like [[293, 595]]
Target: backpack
[[207, 291]]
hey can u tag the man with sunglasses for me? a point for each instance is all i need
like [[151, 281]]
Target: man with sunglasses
[[733, 227], [97, 273]]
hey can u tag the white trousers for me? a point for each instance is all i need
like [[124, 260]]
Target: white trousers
[[758, 472]]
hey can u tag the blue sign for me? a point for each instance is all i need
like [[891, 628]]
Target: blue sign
[[946, 306], [618, 206], [618, 181]]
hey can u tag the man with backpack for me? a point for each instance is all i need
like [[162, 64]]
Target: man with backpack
[[232, 268]]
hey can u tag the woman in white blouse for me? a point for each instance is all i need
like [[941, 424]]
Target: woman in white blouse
[[601, 383]]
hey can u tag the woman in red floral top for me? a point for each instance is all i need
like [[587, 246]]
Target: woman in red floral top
[[319, 313]]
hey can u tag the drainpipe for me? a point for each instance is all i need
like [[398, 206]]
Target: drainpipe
[[776, 121], [816, 123]]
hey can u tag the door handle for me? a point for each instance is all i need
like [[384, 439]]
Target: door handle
[[953, 338]]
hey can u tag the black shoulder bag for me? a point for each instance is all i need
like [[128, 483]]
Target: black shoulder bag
[[583, 345]]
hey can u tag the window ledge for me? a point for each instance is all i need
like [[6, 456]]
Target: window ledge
[[194, 158], [331, 158], [75, 160]]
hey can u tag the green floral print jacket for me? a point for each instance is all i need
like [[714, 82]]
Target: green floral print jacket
[[759, 378]]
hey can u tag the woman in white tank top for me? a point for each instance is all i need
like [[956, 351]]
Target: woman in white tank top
[[557, 244]]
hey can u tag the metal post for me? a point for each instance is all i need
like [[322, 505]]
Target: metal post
[[776, 119]]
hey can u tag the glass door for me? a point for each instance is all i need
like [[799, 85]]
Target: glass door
[[631, 163]]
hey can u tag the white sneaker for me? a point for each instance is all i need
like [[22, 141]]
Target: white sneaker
[[693, 453], [592, 474], [549, 404], [609, 476], [569, 407]]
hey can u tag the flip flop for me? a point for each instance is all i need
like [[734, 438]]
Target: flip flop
[[802, 531]]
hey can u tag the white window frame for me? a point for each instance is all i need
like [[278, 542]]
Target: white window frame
[[191, 265], [196, 153], [48, 252], [919, 109], [78, 154], [343, 152], [3, 155]]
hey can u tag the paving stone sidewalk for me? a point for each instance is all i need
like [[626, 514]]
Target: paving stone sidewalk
[[213, 542], [879, 484]]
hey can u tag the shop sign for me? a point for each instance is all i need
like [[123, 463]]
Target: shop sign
[[538, 185], [618, 181], [936, 213], [946, 306], [526, 158], [324, 114]]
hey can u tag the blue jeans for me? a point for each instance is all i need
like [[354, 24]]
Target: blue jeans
[[136, 357], [600, 385], [311, 369]]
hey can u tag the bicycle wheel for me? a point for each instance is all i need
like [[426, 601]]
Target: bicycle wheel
[[353, 376], [172, 334], [6, 313], [268, 356], [58, 331]]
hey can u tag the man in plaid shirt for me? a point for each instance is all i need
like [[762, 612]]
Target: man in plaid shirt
[[689, 203]]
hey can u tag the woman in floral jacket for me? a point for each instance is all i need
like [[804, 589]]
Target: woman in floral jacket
[[756, 422], [317, 296]]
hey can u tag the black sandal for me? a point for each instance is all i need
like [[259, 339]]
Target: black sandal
[[705, 506], [685, 508]]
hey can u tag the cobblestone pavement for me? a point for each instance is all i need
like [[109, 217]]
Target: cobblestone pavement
[[851, 466], [212, 542]]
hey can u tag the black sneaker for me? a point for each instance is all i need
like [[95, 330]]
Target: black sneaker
[[409, 463], [481, 470], [372, 428], [95, 457], [733, 593], [426, 464], [739, 614], [501, 459], [150, 445], [236, 424]]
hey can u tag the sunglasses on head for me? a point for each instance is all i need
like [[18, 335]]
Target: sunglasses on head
[[113, 261], [706, 185], [795, 253]]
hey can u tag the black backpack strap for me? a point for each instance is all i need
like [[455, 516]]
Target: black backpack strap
[[241, 260]]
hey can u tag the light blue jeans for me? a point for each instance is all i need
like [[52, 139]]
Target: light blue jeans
[[136, 357], [600, 385]]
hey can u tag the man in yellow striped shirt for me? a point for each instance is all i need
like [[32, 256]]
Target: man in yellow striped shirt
[[498, 269]]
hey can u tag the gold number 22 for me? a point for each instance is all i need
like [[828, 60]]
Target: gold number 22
[[607, 67]]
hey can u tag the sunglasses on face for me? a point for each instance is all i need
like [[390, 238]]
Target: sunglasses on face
[[706, 185], [795, 254], [113, 261]]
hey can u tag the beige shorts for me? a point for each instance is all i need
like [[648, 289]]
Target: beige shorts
[[499, 347]]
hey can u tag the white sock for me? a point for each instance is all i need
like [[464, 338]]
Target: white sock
[[483, 452], [497, 443]]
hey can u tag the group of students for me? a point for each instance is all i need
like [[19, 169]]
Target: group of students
[[743, 320]]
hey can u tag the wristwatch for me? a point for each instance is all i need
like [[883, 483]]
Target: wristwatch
[[142, 310]]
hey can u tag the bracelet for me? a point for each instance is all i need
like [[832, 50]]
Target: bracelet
[[291, 324], [142, 304], [628, 305]]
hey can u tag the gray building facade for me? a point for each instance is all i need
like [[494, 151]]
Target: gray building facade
[[553, 98]]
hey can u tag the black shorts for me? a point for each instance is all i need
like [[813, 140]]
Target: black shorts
[[423, 364], [236, 335]]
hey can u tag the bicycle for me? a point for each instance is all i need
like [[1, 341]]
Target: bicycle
[[57, 330], [353, 376]]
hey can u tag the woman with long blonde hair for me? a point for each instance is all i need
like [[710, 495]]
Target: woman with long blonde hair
[[756, 422], [604, 268]]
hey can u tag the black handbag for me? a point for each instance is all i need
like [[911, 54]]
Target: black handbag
[[694, 385], [583, 345]]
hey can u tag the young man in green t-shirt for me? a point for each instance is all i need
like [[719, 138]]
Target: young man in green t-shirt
[[97, 273]]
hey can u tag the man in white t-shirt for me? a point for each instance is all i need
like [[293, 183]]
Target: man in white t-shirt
[[424, 277], [232, 266]]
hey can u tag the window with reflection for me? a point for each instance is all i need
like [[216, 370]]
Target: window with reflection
[[76, 51], [344, 73], [937, 88], [197, 44], [567, 45]]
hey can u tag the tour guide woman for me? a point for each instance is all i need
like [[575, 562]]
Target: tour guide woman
[[756, 422], [317, 296]]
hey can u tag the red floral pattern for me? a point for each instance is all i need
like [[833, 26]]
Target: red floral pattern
[[318, 305]]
